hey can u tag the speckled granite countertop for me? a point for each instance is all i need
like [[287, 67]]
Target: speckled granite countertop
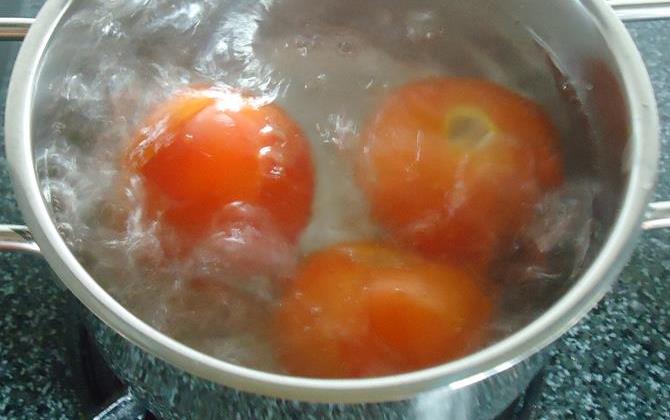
[[614, 364]]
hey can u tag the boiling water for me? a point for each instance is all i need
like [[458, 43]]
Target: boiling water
[[328, 63]]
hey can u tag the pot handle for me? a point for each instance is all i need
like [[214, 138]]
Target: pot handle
[[630, 10], [16, 237], [14, 29], [658, 214]]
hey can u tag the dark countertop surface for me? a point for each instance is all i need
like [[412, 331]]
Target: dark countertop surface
[[614, 364]]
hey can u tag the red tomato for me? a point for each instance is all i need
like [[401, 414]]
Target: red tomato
[[367, 310], [453, 167], [207, 148]]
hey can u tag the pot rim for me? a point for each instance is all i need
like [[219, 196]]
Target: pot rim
[[644, 149]]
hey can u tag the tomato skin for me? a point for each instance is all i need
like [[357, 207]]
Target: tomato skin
[[364, 309], [207, 148], [450, 195]]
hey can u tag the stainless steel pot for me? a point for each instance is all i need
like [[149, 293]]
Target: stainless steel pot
[[178, 382]]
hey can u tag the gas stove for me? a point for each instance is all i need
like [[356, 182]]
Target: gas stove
[[613, 364]]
